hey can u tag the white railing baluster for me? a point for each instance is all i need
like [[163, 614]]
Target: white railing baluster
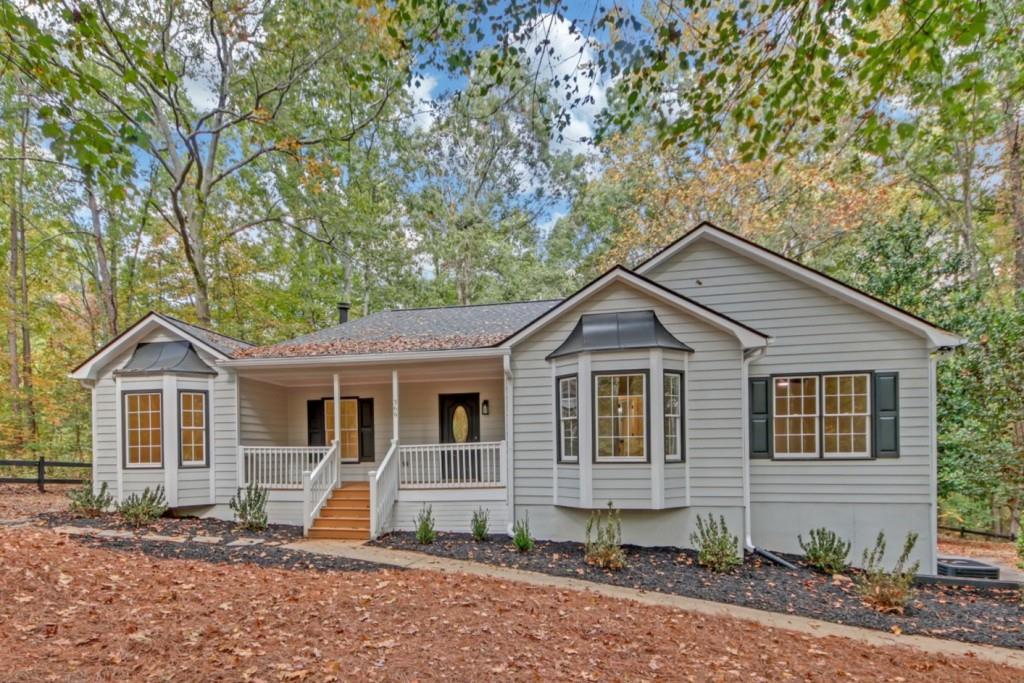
[[451, 465], [279, 467]]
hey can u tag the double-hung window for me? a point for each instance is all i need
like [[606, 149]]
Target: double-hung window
[[143, 429], [621, 407], [192, 416], [825, 415], [673, 412], [568, 419]]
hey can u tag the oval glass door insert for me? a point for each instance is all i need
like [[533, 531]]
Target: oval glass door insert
[[460, 424]]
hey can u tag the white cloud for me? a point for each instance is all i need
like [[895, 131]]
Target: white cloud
[[562, 57], [421, 93]]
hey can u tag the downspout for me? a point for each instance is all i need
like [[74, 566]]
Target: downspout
[[510, 477], [749, 355]]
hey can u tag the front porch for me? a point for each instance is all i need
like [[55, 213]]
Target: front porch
[[443, 446]]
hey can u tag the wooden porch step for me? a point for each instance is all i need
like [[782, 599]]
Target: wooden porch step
[[340, 533], [336, 510]]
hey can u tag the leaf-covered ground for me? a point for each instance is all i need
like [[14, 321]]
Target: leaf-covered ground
[[18, 501], [993, 617], [77, 612]]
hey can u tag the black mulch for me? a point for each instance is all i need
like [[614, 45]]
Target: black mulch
[[972, 615], [177, 526], [262, 555]]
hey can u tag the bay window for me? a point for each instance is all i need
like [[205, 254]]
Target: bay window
[[143, 428], [621, 420], [568, 419], [192, 418], [673, 414]]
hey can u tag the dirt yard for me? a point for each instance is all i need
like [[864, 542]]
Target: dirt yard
[[81, 613], [24, 500]]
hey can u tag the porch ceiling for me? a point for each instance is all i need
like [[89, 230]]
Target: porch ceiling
[[377, 373]]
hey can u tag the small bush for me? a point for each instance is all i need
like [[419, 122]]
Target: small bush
[[888, 591], [826, 551], [425, 533], [605, 550], [250, 507], [1020, 548], [88, 504], [140, 510], [478, 524], [521, 538], [716, 548]]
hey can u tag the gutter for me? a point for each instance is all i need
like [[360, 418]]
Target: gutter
[[749, 355]]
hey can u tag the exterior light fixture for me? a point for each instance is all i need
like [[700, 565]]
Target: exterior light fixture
[[485, 407]]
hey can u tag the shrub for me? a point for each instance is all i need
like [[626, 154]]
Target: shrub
[[87, 503], [521, 535], [139, 510], [605, 550], [716, 549], [250, 507], [888, 591], [826, 551], [425, 533], [478, 524]]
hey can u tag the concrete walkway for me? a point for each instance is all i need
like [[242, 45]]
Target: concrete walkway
[[411, 560]]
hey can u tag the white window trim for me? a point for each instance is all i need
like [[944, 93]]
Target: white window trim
[[562, 457], [126, 455], [678, 455], [181, 429], [816, 455], [853, 455], [646, 431]]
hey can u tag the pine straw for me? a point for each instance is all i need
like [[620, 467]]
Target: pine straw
[[73, 612]]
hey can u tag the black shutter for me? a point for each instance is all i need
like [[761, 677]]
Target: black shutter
[[760, 418], [366, 453], [315, 422], [886, 415]]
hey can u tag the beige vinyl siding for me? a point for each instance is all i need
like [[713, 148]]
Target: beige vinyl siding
[[224, 439], [569, 485], [626, 486], [104, 434], [675, 484], [262, 416], [815, 332], [714, 417]]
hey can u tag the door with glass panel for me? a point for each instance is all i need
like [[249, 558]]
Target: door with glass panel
[[460, 424]]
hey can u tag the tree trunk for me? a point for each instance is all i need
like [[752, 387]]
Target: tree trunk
[[14, 377], [23, 309], [1013, 181], [104, 279]]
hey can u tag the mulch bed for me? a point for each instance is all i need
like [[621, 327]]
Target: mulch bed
[[177, 526], [76, 612], [261, 555], [972, 615]]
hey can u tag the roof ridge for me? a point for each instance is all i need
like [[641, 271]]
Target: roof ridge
[[496, 303]]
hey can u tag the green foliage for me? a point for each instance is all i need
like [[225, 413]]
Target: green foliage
[[1020, 549], [521, 537], [250, 507], [141, 510], [826, 550], [888, 591], [716, 547], [478, 524], [425, 533], [87, 503], [604, 550]]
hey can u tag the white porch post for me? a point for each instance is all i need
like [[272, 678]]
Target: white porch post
[[394, 404]]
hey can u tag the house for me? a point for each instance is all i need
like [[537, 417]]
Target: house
[[717, 377]]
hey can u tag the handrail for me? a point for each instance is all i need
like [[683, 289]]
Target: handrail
[[383, 491], [318, 485]]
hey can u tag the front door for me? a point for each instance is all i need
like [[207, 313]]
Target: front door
[[460, 423], [460, 418]]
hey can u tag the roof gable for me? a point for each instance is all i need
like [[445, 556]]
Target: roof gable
[[936, 336], [210, 342], [747, 336]]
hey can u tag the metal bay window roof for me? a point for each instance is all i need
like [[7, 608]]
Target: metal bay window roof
[[173, 356], [616, 331]]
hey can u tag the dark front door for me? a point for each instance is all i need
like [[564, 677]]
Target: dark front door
[[460, 423]]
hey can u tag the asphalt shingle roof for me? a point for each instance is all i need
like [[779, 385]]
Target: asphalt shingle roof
[[412, 329], [229, 346]]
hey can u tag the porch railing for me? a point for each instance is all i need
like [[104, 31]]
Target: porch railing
[[452, 465], [277, 467], [383, 491], [318, 484]]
